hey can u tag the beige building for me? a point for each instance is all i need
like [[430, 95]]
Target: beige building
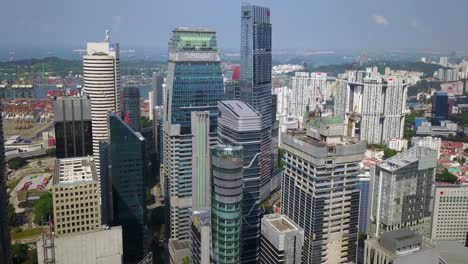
[[450, 213], [76, 199]]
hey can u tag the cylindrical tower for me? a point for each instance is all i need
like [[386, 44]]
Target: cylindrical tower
[[101, 79], [226, 197]]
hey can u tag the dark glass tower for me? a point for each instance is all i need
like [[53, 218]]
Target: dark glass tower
[[131, 105], [255, 77], [157, 85], [73, 133], [440, 108], [4, 227], [127, 172], [194, 83]]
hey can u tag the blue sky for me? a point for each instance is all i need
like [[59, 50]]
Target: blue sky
[[364, 25]]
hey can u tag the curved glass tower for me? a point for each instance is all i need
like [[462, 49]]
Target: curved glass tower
[[226, 198]]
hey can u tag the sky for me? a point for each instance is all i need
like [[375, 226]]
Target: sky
[[316, 25]]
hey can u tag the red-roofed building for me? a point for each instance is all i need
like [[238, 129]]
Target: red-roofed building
[[236, 72]]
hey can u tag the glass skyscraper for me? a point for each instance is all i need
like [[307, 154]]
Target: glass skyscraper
[[127, 172], [194, 83], [226, 193], [131, 105], [440, 108]]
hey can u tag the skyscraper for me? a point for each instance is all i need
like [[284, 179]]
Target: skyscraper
[[157, 85], [4, 227], [320, 189], [131, 105], [101, 79], [440, 107], [255, 81], [194, 83], [72, 122], [201, 160], [200, 236], [241, 125], [226, 193], [401, 192], [127, 169]]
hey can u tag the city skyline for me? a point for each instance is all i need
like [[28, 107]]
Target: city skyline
[[356, 25]]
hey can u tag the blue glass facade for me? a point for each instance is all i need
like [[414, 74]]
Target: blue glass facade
[[418, 122], [440, 107], [127, 172], [131, 106], [363, 204]]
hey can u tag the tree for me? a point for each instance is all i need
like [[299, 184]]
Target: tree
[[16, 163], [43, 209], [39, 163], [11, 214], [388, 153], [186, 260], [446, 176], [19, 253]]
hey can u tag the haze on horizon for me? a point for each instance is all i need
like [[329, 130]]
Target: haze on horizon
[[364, 25]]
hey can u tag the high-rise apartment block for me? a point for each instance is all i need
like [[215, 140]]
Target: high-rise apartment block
[[377, 103], [200, 236], [401, 246], [255, 87], [241, 125], [127, 160], [440, 107], [4, 226], [131, 105], [75, 195], [281, 240], [320, 189], [226, 193], [194, 83], [401, 191], [308, 90], [450, 213], [72, 123], [443, 61], [101, 81]]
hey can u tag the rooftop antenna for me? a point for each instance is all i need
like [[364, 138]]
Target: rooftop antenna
[[107, 36]]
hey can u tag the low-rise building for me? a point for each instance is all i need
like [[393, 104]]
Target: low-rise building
[[281, 240], [178, 251], [401, 246]]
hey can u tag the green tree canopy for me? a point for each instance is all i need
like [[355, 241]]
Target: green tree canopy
[[43, 209]]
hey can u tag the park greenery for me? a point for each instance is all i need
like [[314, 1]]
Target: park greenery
[[43, 209], [446, 176], [16, 163]]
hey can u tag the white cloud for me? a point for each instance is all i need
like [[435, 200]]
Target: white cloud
[[380, 20]]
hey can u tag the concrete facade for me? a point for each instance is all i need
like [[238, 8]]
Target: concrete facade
[[200, 236], [76, 196], [102, 246], [281, 240]]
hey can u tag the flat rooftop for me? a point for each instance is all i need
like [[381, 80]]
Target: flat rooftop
[[281, 223], [179, 244], [73, 170], [203, 217]]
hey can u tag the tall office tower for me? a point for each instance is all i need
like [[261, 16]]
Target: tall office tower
[[194, 83], [201, 160], [440, 108], [400, 247], [378, 104], [450, 213], [4, 226], [232, 90], [131, 105], [401, 191], [151, 104], [241, 125], [226, 193], [200, 236], [308, 89], [281, 241], [157, 85], [72, 122], [101, 79], [75, 195], [428, 142], [127, 168], [255, 82], [320, 189]]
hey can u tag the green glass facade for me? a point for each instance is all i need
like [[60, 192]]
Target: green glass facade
[[226, 198], [127, 173]]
